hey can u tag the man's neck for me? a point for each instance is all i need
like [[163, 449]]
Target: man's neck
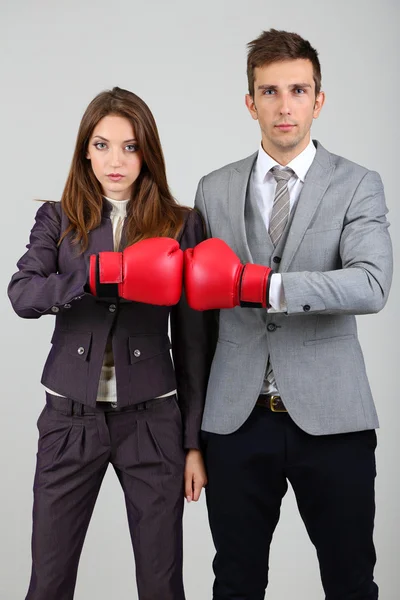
[[283, 157]]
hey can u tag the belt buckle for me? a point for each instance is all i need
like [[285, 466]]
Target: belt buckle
[[273, 404]]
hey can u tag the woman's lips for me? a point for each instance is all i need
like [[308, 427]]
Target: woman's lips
[[115, 176]]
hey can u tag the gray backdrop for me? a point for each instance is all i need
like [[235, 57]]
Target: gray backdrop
[[187, 61]]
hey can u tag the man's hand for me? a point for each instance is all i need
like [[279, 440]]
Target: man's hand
[[195, 475]]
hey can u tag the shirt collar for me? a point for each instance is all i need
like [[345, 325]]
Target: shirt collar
[[300, 164], [118, 207]]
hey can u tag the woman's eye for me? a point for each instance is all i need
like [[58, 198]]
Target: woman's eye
[[100, 145], [131, 148]]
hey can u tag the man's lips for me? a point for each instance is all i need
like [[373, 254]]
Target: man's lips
[[285, 126]]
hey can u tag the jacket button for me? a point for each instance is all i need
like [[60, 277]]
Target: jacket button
[[81, 350], [112, 308], [67, 305], [306, 307], [137, 353], [54, 309], [277, 259], [271, 326]]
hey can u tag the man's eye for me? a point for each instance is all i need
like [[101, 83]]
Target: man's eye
[[269, 92], [300, 91], [100, 145]]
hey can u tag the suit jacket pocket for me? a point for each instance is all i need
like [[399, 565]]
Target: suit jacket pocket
[[75, 343], [335, 338], [144, 346], [228, 342], [67, 365], [324, 228]]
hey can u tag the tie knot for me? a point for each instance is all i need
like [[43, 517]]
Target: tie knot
[[281, 174]]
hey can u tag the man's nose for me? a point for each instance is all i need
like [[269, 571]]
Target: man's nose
[[285, 108]]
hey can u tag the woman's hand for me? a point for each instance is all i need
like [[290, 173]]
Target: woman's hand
[[195, 475]]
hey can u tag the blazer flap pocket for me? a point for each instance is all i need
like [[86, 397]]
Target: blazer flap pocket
[[76, 343], [324, 228], [146, 346], [327, 340], [228, 342]]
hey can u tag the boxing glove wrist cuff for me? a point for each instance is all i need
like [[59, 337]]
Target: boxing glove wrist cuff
[[97, 288], [110, 267], [254, 286]]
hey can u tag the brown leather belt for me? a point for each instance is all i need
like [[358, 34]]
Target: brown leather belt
[[271, 401]]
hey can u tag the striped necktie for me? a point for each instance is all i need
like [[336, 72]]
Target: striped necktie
[[281, 206]]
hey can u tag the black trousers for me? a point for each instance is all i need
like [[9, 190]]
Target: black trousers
[[76, 445], [333, 479]]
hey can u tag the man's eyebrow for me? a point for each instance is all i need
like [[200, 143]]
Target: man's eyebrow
[[106, 140], [267, 86], [301, 85]]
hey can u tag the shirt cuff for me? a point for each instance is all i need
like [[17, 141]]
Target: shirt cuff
[[276, 294]]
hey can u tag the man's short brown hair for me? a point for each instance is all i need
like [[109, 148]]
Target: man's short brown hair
[[275, 46]]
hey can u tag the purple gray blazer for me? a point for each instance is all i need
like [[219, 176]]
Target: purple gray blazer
[[52, 280]]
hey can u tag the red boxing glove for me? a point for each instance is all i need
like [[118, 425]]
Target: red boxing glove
[[149, 271], [215, 278]]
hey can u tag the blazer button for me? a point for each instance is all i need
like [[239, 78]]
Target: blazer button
[[137, 353], [277, 259], [54, 309], [112, 308], [81, 350], [306, 307], [67, 305], [271, 326]]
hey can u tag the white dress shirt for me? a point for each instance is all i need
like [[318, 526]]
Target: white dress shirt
[[264, 185]]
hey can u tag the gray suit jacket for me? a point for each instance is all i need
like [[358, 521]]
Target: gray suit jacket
[[336, 262]]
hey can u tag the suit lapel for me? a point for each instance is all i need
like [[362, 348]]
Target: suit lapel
[[315, 185], [236, 200], [101, 239]]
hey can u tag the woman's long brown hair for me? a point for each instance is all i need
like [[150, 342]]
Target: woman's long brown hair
[[152, 212]]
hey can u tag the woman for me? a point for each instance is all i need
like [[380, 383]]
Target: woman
[[112, 394]]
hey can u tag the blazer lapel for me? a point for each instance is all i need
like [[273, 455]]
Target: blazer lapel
[[236, 200], [315, 185], [101, 239]]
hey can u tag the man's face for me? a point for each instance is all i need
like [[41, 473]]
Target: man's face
[[285, 105]]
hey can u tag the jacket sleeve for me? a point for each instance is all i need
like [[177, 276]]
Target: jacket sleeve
[[37, 288], [362, 284], [193, 336]]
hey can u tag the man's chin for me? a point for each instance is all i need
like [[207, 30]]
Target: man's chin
[[287, 143]]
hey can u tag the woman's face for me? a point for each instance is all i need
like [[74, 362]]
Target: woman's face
[[115, 157]]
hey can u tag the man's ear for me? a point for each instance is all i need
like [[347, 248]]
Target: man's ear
[[319, 102], [251, 106]]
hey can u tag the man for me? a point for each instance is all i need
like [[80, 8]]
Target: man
[[288, 397]]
